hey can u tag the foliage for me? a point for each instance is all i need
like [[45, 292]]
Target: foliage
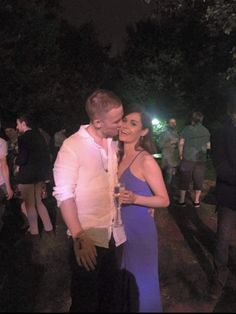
[[47, 66], [221, 18], [174, 61], [182, 59], [28, 54]]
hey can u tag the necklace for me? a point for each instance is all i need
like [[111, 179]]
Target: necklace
[[103, 162]]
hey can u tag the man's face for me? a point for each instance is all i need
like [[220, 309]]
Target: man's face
[[172, 123], [20, 126], [111, 122]]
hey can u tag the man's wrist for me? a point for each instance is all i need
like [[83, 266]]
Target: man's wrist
[[79, 236]]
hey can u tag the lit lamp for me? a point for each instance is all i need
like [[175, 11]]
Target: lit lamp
[[156, 122]]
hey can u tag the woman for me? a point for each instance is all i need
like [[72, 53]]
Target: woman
[[34, 166], [145, 189]]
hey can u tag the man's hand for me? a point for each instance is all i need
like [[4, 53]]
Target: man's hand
[[85, 252], [9, 193]]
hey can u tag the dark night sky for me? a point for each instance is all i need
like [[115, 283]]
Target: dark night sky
[[109, 16]]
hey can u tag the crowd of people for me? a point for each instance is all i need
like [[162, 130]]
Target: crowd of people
[[114, 262]]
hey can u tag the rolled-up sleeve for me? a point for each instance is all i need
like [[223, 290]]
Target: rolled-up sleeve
[[66, 172]]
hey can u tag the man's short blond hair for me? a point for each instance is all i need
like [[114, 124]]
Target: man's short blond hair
[[100, 102]]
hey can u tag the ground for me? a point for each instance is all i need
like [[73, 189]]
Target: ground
[[186, 243]]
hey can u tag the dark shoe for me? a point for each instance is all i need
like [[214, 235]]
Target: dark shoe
[[216, 290], [24, 228], [183, 204], [196, 205], [48, 242], [48, 234], [35, 241]]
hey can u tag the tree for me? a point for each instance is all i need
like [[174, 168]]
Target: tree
[[221, 18], [29, 51], [175, 59], [47, 66]]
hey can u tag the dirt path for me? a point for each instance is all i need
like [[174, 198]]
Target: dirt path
[[186, 244]]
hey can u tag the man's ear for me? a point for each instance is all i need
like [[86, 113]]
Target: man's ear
[[97, 123], [144, 132]]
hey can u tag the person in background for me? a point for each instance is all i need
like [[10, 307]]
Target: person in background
[[168, 143], [85, 173], [6, 191], [46, 136], [144, 189], [47, 186], [193, 146], [12, 141], [11, 133], [34, 165], [58, 140], [224, 160]]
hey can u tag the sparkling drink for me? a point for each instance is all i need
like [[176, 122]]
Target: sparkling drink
[[117, 190]]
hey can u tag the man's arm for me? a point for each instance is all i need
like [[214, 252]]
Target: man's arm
[[70, 216], [66, 170], [181, 148], [208, 152], [6, 177], [84, 248]]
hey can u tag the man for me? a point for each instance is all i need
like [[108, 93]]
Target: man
[[58, 140], [193, 147], [6, 191], [34, 167], [224, 160], [85, 173], [20, 216], [168, 143], [12, 143]]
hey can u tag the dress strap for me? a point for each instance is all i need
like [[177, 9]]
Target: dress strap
[[132, 161]]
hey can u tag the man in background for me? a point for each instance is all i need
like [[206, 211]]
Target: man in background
[[168, 144], [224, 160], [6, 191], [193, 147]]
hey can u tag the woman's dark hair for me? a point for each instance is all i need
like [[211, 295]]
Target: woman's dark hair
[[146, 142]]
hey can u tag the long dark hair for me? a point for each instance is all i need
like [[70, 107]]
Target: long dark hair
[[146, 142]]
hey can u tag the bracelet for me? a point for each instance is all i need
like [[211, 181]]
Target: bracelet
[[79, 236]]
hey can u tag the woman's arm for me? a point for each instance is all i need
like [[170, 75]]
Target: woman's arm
[[152, 174], [6, 177]]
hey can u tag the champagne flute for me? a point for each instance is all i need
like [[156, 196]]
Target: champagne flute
[[118, 188]]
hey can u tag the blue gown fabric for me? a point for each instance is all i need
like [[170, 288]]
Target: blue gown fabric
[[140, 251]]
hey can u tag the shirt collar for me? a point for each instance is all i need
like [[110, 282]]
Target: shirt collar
[[85, 134]]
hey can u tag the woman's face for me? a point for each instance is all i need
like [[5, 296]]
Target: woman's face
[[131, 128]]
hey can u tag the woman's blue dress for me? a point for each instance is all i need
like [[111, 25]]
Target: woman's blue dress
[[140, 252]]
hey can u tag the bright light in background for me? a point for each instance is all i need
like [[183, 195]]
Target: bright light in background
[[158, 127], [155, 121]]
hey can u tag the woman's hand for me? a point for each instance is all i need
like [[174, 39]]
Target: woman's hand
[[127, 197]]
